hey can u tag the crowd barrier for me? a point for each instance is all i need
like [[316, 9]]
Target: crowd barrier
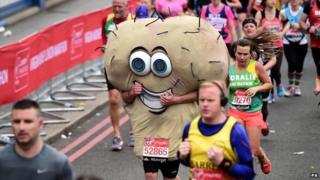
[[29, 63], [46, 60]]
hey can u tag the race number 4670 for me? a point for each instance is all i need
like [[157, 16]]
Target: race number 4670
[[156, 147]]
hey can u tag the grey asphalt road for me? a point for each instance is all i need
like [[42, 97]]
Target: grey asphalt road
[[293, 144]]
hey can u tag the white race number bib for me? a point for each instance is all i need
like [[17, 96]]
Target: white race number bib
[[156, 147]]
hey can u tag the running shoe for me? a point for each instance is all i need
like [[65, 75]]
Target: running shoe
[[289, 91], [271, 99], [131, 139], [265, 128], [116, 144], [280, 90], [297, 91], [266, 166]]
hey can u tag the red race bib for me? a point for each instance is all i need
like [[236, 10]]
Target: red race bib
[[207, 174]]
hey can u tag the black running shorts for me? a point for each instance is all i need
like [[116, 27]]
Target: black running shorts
[[168, 168], [109, 85]]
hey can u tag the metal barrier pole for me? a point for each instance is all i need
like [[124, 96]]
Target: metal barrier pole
[[88, 86], [74, 95], [98, 73], [63, 106], [5, 115]]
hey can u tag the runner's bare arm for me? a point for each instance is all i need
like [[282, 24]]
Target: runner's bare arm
[[271, 62], [264, 78], [129, 96], [234, 36]]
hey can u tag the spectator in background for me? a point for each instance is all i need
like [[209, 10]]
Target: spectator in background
[[142, 12], [120, 14], [168, 8], [269, 19], [220, 16], [29, 158], [311, 11], [295, 45], [195, 6], [150, 4]]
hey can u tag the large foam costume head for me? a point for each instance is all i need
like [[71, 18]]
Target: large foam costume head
[[174, 55]]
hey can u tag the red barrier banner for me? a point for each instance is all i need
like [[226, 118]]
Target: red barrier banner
[[27, 64]]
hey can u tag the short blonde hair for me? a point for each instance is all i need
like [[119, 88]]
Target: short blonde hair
[[221, 85]]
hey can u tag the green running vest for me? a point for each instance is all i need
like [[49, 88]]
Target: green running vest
[[240, 81]]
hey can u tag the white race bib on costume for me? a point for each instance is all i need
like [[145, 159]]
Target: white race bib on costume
[[156, 147]]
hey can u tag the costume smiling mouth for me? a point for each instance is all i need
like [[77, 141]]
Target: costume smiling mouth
[[152, 100]]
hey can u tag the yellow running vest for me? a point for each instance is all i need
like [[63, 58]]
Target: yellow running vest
[[200, 145]]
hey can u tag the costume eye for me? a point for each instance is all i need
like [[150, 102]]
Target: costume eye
[[140, 63], [161, 64]]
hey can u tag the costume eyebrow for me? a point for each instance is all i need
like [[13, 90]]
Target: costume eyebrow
[[112, 59], [191, 67], [138, 48], [154, 21], [219, 37], [186, 49], [113, 32], [102, 48], [194, 75], [213, 61], [198, 31], [164, 32], [159, 47]]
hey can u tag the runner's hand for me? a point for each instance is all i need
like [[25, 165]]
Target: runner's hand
[[168, 99], [215, 155], [251, 91], [184, 149], [136, 88]]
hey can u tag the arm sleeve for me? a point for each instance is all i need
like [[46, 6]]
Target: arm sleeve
[[66, 172], [241, 146], [185, 133]]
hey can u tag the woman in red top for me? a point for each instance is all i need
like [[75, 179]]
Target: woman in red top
[[268, 19], [312, 12]]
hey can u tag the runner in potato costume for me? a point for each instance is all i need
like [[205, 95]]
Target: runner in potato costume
[[158, 65]]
